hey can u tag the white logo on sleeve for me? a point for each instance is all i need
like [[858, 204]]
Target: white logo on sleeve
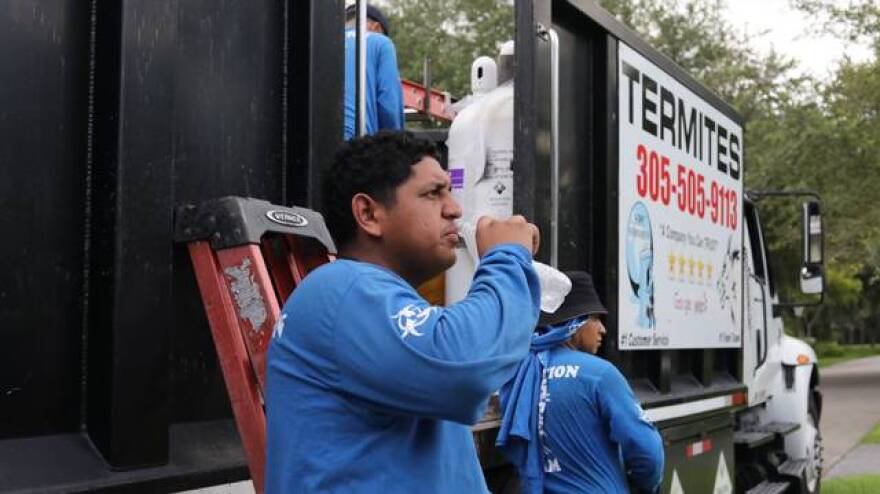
[[411, 317], [278, 330]]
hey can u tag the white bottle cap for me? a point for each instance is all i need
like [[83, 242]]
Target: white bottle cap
[[484, 75]]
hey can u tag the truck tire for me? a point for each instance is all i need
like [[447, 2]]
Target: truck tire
[[811, 480]]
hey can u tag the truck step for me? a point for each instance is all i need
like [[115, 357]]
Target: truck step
[[751, 439], [768, 487], [781, 428], [793, 468]]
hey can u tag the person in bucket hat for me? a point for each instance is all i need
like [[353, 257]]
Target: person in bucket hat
[[570, 422]]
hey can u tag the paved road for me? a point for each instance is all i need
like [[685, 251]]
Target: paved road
[[864, 459], [851, 405]]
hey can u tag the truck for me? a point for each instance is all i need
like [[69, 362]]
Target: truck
[[115, 114]]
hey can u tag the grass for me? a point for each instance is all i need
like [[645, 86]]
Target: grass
[[857, 484], [832, 353], [872, 437]]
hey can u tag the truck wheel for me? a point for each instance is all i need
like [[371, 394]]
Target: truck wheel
[[812, 477]]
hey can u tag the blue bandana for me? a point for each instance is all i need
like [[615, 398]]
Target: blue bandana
[[521, 397]]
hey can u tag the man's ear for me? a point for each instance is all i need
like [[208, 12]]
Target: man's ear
[[368, 214], [375, 26]]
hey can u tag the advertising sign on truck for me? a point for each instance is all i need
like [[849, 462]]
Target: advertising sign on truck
[[680, 210]]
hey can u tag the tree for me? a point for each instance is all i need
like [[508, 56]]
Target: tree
[[695, 35], [850, 105], [452, 33], [858, 20]]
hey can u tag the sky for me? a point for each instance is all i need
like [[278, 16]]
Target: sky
[[791, 33]]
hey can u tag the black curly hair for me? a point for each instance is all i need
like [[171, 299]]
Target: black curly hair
[[374, 165]]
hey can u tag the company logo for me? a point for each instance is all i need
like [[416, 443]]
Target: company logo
[[411, 317], [639, 263], [287, 218]]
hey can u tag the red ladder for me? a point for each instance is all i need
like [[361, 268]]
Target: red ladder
[[416, 95], [248, 256]]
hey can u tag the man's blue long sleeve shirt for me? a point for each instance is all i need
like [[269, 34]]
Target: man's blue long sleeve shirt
[[371, 389], [383, 92], [592, 422]]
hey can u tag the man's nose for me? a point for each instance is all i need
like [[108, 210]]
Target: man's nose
[[452, 209], [601, 328]]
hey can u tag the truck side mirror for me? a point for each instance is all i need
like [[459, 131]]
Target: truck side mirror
[[813, 235], [811, 280]]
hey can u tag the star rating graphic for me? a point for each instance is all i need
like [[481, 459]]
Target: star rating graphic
[[687, 267]]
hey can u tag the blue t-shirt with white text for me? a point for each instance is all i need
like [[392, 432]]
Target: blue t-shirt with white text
[[595, 436], [372, 390]]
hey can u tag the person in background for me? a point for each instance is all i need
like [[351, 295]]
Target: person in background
[[571, 423], [383, 92], [370, 389]]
